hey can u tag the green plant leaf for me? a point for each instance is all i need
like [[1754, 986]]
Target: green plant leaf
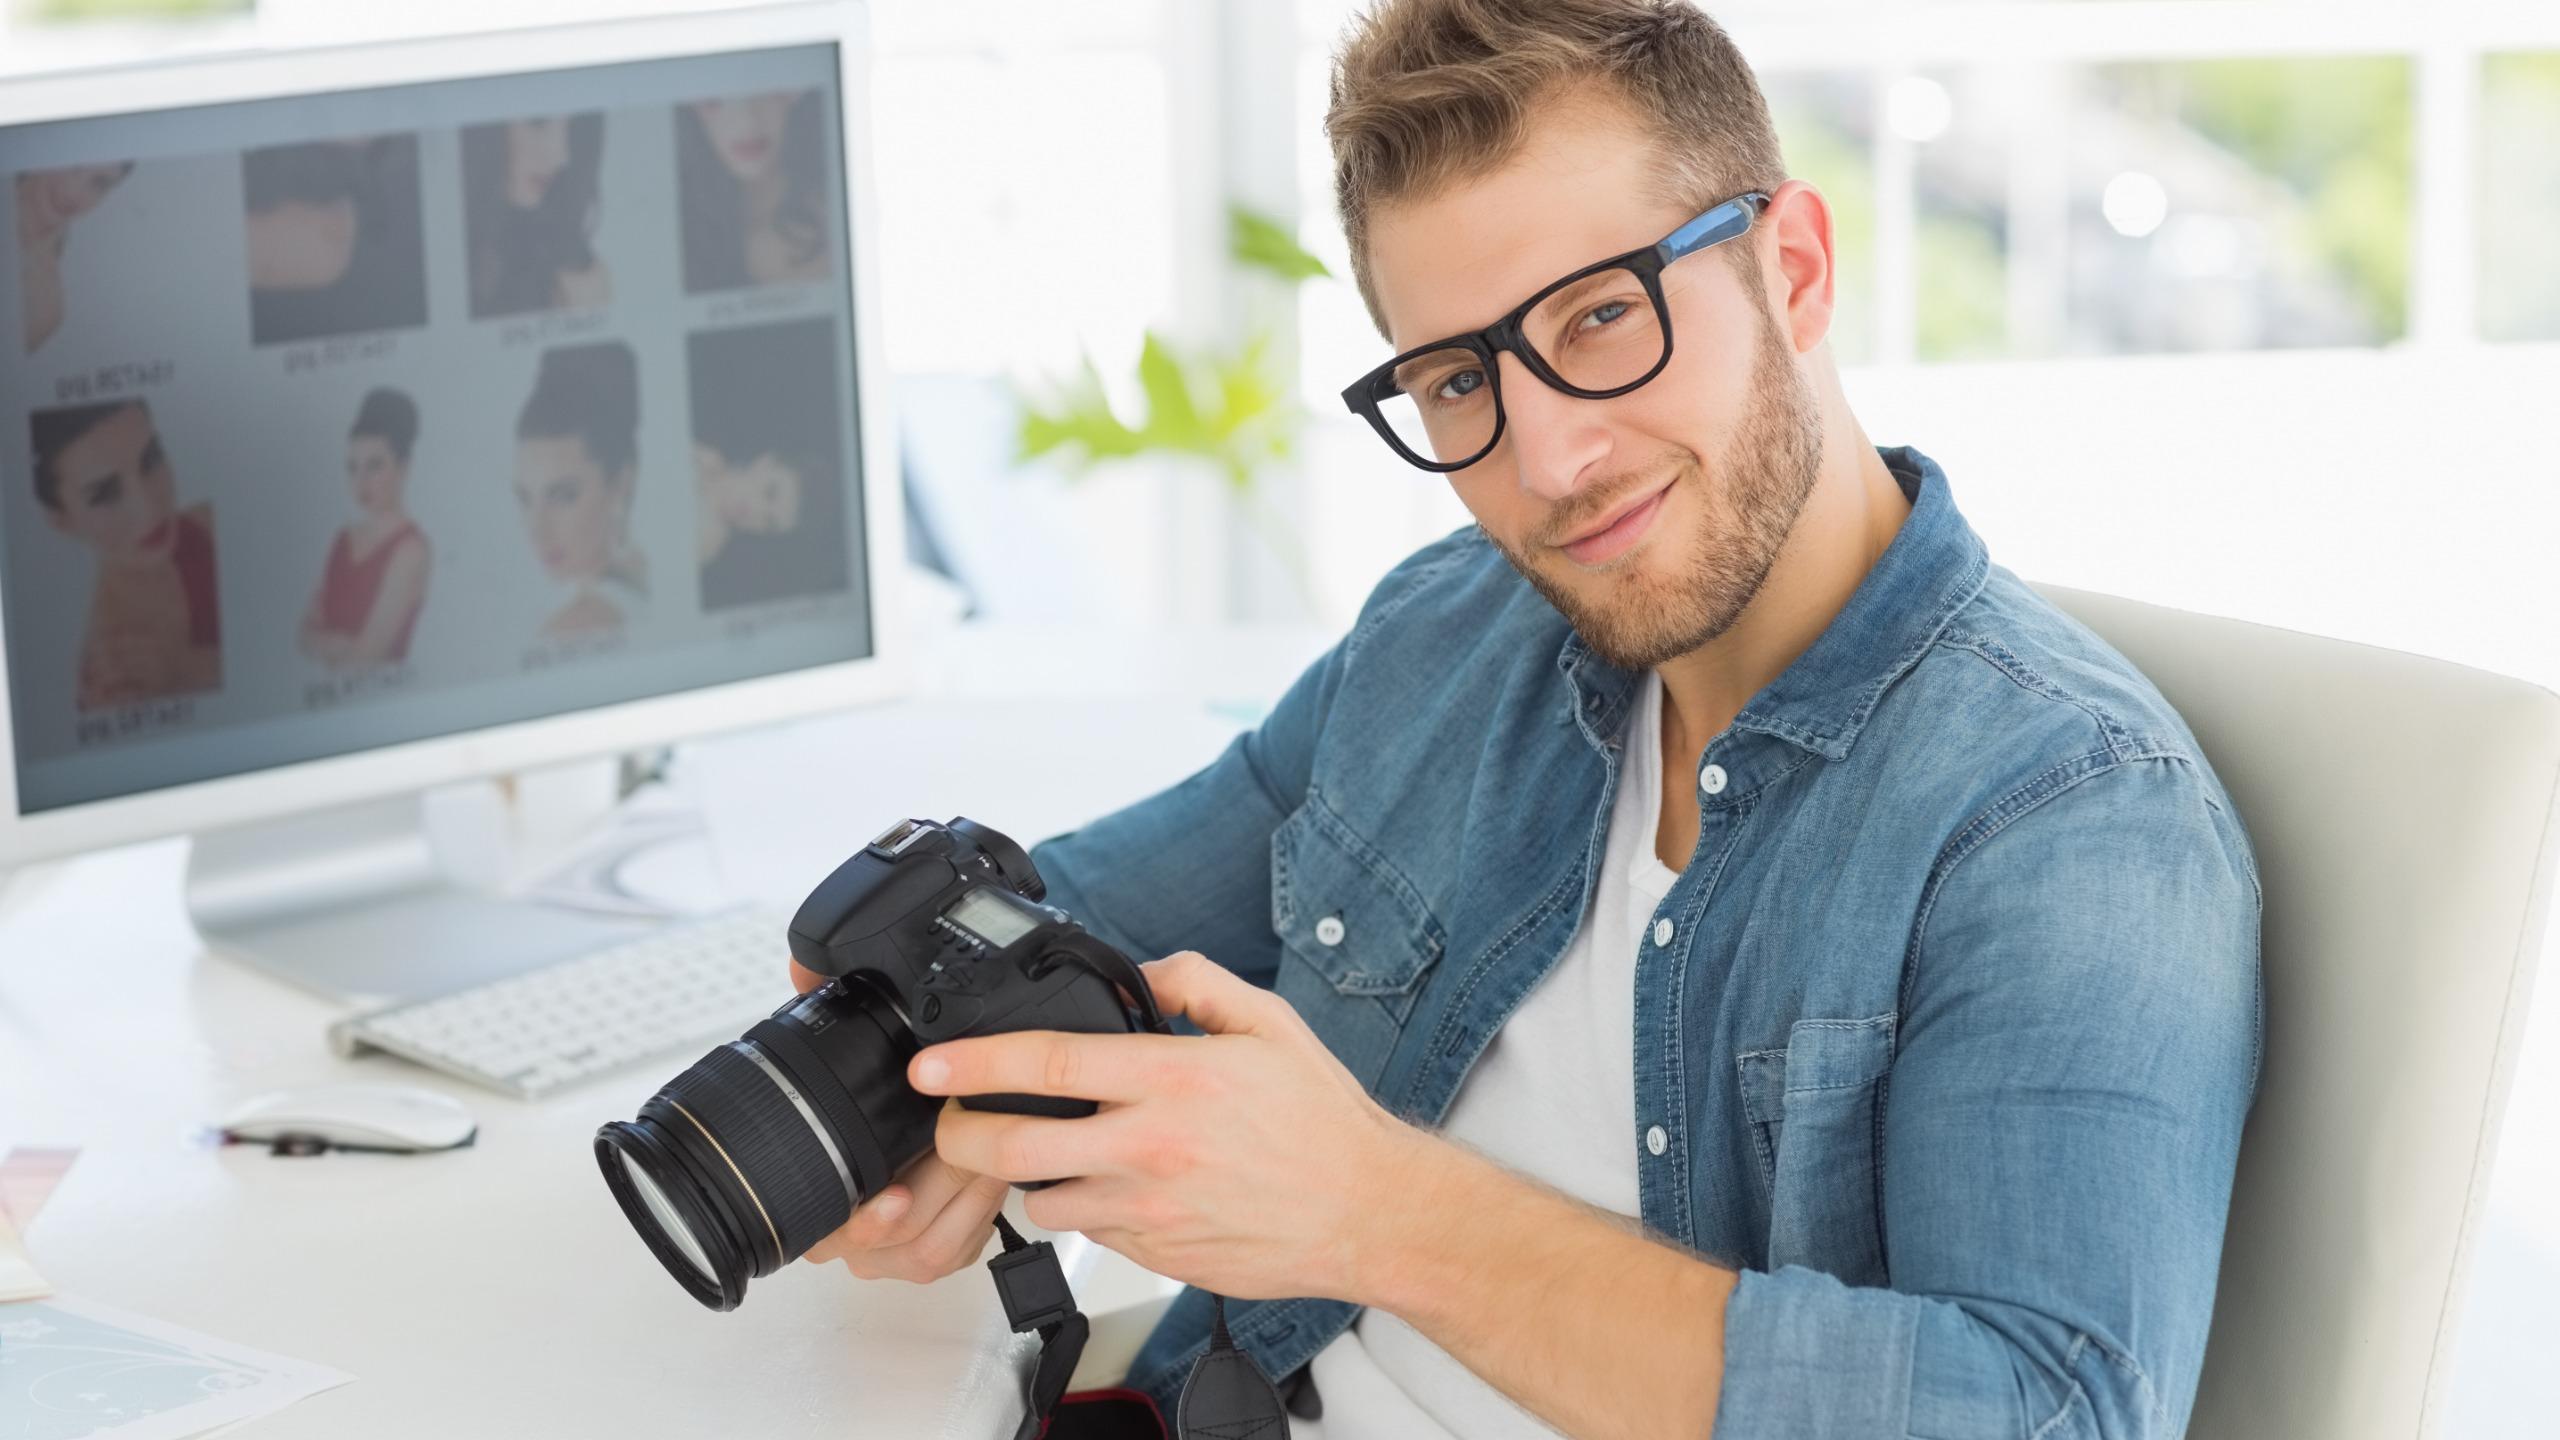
[[1078, 419], [1173, 419], [1230, 410], [1258, 242], [43, 11]]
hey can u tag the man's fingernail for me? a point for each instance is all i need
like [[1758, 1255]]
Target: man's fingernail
[[889, 1206], [931, 1072]]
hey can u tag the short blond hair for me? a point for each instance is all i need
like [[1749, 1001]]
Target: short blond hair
[[1429, 93]]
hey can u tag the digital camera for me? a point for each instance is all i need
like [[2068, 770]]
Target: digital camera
[[765, 1145]]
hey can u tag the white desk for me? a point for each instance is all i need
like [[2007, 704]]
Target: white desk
[[497, 1290]]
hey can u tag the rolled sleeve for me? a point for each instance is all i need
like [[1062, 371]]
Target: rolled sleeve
[[2078, 1047]]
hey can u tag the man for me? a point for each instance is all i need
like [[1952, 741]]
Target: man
[[1710, 952]]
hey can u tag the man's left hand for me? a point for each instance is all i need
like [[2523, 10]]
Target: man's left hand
[[1246, 1160]]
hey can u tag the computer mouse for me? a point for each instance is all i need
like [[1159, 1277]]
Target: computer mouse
[[353, 1117]]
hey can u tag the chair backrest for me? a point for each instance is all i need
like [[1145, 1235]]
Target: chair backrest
[[2402, 810]]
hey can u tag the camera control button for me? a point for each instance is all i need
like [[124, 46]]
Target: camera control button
[[932, 1009], [1329, 930]]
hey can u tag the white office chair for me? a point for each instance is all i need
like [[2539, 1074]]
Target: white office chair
[[2404, 818], [2403, 814]]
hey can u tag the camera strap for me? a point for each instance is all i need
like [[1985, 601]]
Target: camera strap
[[1226, 1396], [1084, 950], [1034, 1289]]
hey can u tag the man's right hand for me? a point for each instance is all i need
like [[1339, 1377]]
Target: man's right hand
[[931, 1222]]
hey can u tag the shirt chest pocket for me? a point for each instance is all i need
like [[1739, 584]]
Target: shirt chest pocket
[[1816, 1114], [1358, 939]]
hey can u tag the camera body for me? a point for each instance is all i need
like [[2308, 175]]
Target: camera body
[[945, 924], [766, 1144]]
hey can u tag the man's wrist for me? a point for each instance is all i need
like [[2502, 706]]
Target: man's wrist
[[1417, 1229]]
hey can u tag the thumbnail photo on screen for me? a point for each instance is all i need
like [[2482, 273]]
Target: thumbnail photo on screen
[[48, 202], [530, 192], [153, 624], [373, 585], [577, 477], [768, 456], [336, 238], [751, 172]]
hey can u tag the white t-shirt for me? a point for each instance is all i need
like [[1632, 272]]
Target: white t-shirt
[[1554, 1098]]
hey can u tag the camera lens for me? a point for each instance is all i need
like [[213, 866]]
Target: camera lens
[[765, 1145], [662, 1213]]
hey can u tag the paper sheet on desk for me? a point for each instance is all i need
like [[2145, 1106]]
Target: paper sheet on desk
[[72, 1370], [27, 1178], [18, 1277]]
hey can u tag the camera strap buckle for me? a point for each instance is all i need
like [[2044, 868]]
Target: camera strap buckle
[[1032, 1283], [1033, 1286]]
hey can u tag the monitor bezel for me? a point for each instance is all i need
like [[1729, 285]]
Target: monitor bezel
[[410, 766]]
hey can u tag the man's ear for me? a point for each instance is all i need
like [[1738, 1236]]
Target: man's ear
[[1802, 264]]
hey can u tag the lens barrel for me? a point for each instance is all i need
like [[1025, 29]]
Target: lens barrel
[[763, 1146]]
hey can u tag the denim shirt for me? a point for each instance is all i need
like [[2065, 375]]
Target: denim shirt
[[1943, 1039]]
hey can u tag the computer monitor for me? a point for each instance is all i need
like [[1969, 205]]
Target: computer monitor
[[383, 416]]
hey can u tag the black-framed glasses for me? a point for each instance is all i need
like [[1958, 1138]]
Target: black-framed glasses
[[1601, 331]]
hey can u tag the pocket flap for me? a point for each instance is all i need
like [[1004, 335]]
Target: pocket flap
[[1820, 1055], [1833, 1054], [1338, 903]]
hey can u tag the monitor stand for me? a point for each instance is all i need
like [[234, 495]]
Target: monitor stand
[[356, 904]]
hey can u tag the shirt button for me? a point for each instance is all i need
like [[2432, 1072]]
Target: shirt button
[[1662, 931], [1711, 779], [1656, 1141], [1329, 930]]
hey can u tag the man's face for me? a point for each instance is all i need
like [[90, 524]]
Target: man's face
[[1649, 520]]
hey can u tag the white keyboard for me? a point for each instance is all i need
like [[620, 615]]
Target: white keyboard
[[663, 996]]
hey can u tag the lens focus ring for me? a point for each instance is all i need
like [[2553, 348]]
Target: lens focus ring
[[790, 1178]]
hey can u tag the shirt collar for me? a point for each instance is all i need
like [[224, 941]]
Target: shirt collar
[[1820, 702]]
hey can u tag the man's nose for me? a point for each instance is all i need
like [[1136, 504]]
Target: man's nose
[[1555, 438]]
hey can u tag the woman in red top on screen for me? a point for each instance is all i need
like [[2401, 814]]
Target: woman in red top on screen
[[155, 618], [375, 582]]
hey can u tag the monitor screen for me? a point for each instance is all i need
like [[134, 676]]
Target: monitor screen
[[343, 420]]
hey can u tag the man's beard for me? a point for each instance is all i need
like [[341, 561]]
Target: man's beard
[[1768, 470]]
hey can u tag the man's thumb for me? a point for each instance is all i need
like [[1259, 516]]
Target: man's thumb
[[1192, 985]]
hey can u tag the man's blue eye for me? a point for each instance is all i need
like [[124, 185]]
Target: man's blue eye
[[1461, 385], [1608, 313]]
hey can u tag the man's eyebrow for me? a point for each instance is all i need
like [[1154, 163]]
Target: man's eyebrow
[[1434, 360], [1598, 278]]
